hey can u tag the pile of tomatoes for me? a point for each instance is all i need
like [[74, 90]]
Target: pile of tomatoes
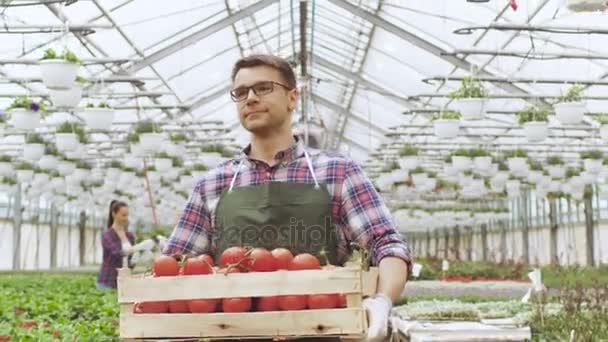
[[240, 260]]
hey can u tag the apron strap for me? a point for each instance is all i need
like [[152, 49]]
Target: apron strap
[[312, 171], [238, 168]]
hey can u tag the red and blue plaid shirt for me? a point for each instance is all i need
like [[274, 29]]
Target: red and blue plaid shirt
[[359, 213], [112, 256]]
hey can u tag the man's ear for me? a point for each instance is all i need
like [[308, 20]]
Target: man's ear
[[294, 95]]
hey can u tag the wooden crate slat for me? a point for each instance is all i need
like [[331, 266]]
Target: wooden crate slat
[[341, 280], [252, 324]]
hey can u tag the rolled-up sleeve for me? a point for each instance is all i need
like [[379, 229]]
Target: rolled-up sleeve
[[191, 234], [369, 219]]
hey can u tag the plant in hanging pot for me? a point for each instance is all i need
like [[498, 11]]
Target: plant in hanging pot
[[408, 157], [68, 98], [34, 147], [602, 118], [446, 124], [150, 138], [25, 172], [556, 167], [569, 109], [98, 116], [536, 171], [461, 159], [517, 160], [535, 122], [482, 160], [67, 136], [26, 113], [418, 176], [59, 70], [178, 138], [198, 170], [470, 99], [592, 161], [162, 161], [6, 168]]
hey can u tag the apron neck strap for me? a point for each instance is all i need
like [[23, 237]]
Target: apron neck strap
[[308, 162]]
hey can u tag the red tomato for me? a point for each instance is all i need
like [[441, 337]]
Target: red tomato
[[283, 257], [292, 302], [322, 301], [207, 258], [56, 333], [341, 300], [203, 305], [233, 255], [28, 324], [5, 338], [241, 304], [165, 266], [262, 261], [267, 303], [151, 307], [304, 261], [178, 306], [197, 265]]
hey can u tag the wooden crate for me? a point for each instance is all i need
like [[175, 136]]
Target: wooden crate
[[349, 322]]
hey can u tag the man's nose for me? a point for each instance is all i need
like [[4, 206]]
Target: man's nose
[[252, 97]]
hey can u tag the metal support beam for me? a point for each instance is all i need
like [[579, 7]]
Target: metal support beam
[[85, 61], [417, 97], [200, 35], [541, 55], [341, 111], [17, 220], [563, 29], [510, 80]]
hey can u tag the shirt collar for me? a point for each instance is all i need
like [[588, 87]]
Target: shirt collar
[[290, 154]]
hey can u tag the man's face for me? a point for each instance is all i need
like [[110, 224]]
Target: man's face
[[263, 114]]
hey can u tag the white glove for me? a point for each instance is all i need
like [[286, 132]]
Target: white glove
[[145, 245], [162, 241], [378, 310]]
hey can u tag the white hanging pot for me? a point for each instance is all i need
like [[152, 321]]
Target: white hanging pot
[[588, 177], [399, 175], [556, 171], [66, 98], [408, 162], [554, 186], [482, 163], [113, 173], [603, 191], [604, 132], [517, 164], [150, 142], [593, 165], [41, 178], [461, 163], [25, 119], [569, 113], [534, 176], [66, 168], [163, 164], [24, 176], [211, 159], [471, 108], [98, 118], [535, 131], [66, 141], [58, 73], [48, 162], [6, 168], [446, 128], [33, 152], [419, 179]]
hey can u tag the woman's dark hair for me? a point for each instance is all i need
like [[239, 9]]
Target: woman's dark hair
[[114, 208]]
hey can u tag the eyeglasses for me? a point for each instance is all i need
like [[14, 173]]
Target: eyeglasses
[[261, 88]]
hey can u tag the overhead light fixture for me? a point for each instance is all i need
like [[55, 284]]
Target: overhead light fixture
[[478, 1]]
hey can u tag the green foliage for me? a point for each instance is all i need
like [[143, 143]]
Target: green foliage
[[163, 155], [555, 160], [573, 94], [66, 55], [446, 115], [217, 148], [571, 172], [8, 180], [177, 162], [76, 128], [5, 159], [469, 88], [147, 126], [516, 154], [408, 150], [133, 138], [593, 154], [478, 152], [200, 167], [178, 138], [461, 152], [535, 165], [34, 138], [81, 81], [24, 166], [81, 164], [104, 105], [116, 164], [417, 170], [27, 103], [602, 118], [534, 114]]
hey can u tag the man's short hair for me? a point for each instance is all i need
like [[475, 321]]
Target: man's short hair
[[275, 62]]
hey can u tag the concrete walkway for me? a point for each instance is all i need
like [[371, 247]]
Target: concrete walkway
[[499, 289]]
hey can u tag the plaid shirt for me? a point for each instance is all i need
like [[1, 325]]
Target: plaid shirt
[[112, 256], [359, 213]]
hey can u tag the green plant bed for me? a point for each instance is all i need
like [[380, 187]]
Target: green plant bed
[[66, 307]]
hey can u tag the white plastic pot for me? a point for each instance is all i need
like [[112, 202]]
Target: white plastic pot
[[66, 98], [211, 159], [66, 141], [593, 165], [409, 162], [66, 168], [163, 164], [604, 132], [482, 163], [98, 118], [534, 176], [41, 178], [58, 73], [556, 171], [569, 113], [24, 176], [48, 162], [446, 128], [517, 164], [25, 119], [33, 152], [535, 131], [513, 188], [470, 108], [461, 163], [6, 168], [150, 142], [419, 179]]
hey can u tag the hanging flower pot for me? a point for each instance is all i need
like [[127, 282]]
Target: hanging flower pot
[[517, 164], [536, 131], [66, 141], [25, 119], [419, 179], [59, 71], [408, 162], [446, 128], [482, 163], [98, 117], [150, 139], [163, 164], [25, 173], [603, 191], [6, 167], [66, 168], [570, 109], [48, 162], [34, 147], [604, 132], [592, 161], [513, 188], [470, 99], [461, 163], [66, 98]]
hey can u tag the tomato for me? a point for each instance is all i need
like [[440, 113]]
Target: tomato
[[165, 266], [341, 300], [283, 257], [304, 261], [5, 338], [233, 255], [262, 261], [28, 324], [197, 265], [56, 333], [292, 302], [151, 307], [322, 301], [203, 305], [267, 303], [178, 306], [207, 258], [240, 304]]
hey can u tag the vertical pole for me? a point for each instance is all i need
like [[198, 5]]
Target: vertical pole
[[82, 237], [589, 229], [553, 231], [17, 217], [484, 242], [457, 242], [428, 244], [525, 234], [503, 241], [436, 243], [469, 234], [53, 236], [446, 243]]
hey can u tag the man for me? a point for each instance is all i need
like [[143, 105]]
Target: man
[[279, 193]]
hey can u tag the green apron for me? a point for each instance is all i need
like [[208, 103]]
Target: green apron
[[296, 216]]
